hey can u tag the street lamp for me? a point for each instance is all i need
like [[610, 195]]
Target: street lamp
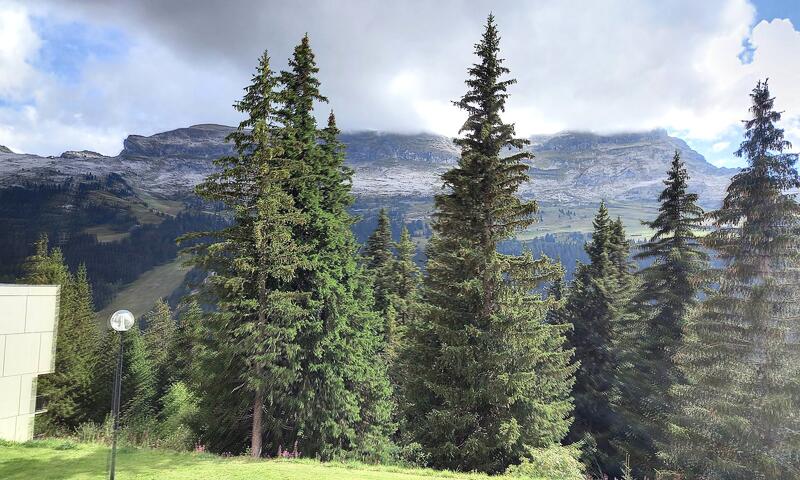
[[120, 321]]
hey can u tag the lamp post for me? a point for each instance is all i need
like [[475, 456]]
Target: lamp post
[[121, 321]]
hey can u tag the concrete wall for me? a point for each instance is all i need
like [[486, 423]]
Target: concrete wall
[[28, 322]]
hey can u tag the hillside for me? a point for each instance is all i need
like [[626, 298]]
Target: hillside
[[119, 215], [569, 167]]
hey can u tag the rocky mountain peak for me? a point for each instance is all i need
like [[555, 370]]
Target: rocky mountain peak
[[80, 155], [197, 141]]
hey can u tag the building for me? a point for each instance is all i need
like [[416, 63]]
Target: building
[[28, 322]]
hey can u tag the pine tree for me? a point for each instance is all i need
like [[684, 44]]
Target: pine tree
[[556, 293], [379, 259], [68, 388], [294, 329], [669, 288], [343, 398], [187, 337], [739, 409], [378, 249], [159, 336], [139, 381], [596, 307], [488, 378], [249, 340], [405, 291]]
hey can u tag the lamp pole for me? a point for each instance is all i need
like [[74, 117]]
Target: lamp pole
[[121, 321]]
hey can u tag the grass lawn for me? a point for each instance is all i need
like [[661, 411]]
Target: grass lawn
[[60, 459]]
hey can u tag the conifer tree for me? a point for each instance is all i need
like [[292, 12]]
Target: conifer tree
[[343, 398], [159, 336], [406, 277], [738, 413], [68, 388], [139, 380], [187, 334], [294, 329], [556, 293], [595, 307], [379, 261], [669, 288], [249, 340], [489, 378], [378, 249]]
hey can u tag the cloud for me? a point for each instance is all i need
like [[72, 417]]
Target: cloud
[[720, 146], [584, 65], [18, 45]]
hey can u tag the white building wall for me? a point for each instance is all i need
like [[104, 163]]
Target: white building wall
[[28, 322]]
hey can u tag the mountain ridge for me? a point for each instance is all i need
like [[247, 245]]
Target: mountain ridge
[[567, 167]]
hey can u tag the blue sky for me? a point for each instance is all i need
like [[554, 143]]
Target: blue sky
[[85, 75], [720, 150], [68, 45]]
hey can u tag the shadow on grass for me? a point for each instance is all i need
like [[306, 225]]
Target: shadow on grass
[[48, 463]]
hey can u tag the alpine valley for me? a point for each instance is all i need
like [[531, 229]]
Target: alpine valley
[[120, 215]]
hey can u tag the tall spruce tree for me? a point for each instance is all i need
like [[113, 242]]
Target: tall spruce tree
[[294, 329], [597, 308], [379, 261], [669, 288], [68, 389], [139, 382], [739, 414], [159, 336], [406, 277], [490, 379], [250, 345], [343, 397], [556, 292]]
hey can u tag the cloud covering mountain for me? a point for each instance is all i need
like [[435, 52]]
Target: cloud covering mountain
[[569, 168], [86, 74]]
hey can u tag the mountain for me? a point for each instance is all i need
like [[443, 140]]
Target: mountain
[[568, 168], [119, 215]]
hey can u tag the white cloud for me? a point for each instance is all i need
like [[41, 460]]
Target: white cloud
[[18, 45], [584, 65], [720, 146]]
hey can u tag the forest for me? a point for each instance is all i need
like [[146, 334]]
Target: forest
[[675, 358]]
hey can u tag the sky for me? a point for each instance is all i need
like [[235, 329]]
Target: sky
[[84, 75]]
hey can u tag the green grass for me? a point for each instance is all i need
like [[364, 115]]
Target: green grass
[[140, 296], [106, 233], [582, 215], [61, 459]]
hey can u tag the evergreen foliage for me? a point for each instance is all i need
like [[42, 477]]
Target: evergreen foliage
[[669, 288], [738, 414], [160, 336], [379, 261], [489, 379], [556, 293], [139, 379], [294, 327], [257, 320], [597, 306], [395, 278], [68, 389], [343, 401], [405, 294]]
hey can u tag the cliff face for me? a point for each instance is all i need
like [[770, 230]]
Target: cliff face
[[570, 167]]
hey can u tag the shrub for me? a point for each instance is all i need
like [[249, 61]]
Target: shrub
[[555, 462], [180, 406], [91, 432], [181, 438]]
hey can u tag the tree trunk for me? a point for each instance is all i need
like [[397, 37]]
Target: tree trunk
[[258, 418]]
